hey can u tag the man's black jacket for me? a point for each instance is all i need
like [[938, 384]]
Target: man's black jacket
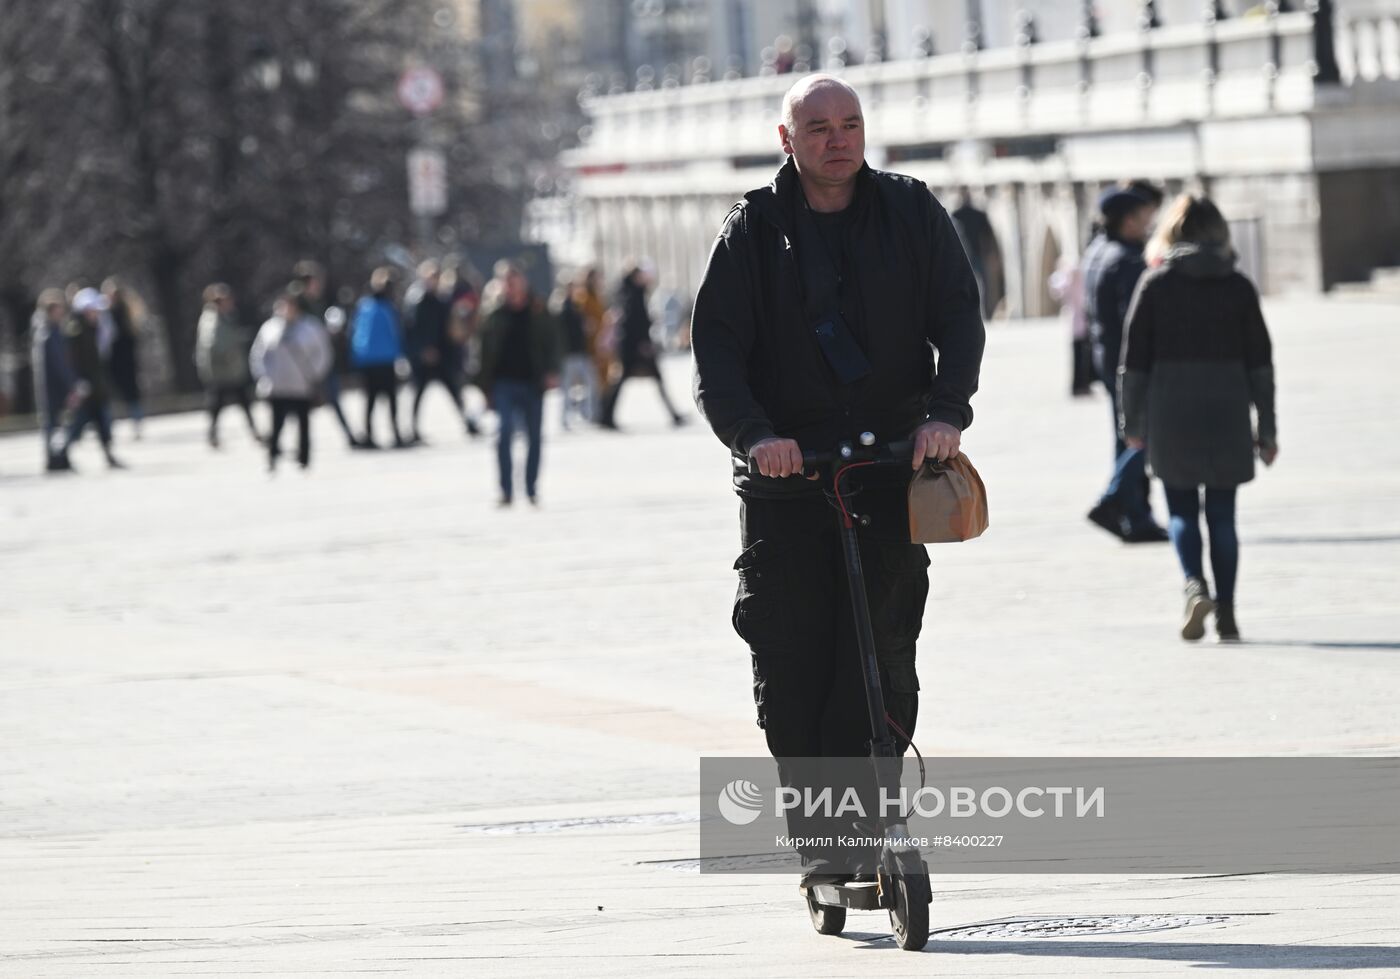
[[1112, 268], [759, 371]]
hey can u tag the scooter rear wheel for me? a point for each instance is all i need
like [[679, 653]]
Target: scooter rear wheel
[[909, 915], [827, 920]]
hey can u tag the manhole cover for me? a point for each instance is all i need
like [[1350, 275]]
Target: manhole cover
[[1079, 925], [582, 822]]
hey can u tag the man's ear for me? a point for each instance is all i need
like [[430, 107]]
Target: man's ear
[[783, 138]]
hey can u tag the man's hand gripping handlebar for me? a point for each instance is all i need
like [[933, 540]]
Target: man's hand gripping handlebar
[[778, 457]]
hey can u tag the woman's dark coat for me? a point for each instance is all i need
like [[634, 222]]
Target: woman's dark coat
[[1196, 356]]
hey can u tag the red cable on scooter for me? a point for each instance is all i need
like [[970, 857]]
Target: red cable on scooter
[[923, 775], [836, 487]]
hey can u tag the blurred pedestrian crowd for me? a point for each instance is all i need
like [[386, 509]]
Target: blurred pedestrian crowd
[[1158, 312], [84, 347], [446, 329]]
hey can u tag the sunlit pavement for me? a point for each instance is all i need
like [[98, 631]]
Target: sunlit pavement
[[358, 720]]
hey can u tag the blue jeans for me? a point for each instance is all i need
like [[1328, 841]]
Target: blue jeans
[[517, 402], [1184, 504], [1128, 486]]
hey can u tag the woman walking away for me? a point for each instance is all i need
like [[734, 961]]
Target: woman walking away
[[221, 359], [376, 344], [290, 359], [1196, 356]]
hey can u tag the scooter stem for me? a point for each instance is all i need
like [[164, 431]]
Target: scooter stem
[[881, 744]]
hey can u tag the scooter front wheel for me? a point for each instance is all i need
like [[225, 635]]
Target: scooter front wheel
[[909, 913], [827, 920]]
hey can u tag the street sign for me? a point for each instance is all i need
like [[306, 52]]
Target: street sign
[[420, 90], [427, 182]]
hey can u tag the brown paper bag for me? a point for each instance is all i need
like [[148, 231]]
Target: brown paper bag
[[947, 502]]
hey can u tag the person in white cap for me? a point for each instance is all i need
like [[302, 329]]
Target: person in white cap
[[91, 394]]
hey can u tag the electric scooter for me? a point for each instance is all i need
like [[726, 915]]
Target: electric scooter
[[901, 883]]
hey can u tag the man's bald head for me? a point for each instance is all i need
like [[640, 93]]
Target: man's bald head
[[809, 86], [823, 130]]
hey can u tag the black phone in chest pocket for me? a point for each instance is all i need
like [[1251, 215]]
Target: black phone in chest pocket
[[843, 354]]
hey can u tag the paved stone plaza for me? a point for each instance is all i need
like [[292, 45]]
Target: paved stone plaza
[[360, 721]]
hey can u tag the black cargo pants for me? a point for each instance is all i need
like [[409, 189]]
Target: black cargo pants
[[793, 608]]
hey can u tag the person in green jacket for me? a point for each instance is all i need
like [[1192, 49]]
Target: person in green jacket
[[520, 356], [221, 359]]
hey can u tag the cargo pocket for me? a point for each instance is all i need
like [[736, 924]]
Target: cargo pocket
[[759, 615], [897, 604], [901, 684], [760, 687], [903, 677]]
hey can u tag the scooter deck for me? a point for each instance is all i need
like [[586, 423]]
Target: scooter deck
[[864, 896]]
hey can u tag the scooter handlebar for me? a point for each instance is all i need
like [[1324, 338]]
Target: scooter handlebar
[[888, 454]]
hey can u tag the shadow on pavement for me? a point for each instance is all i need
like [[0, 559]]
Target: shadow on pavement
[[1331, 539], [1208, 956], [1322, 644]]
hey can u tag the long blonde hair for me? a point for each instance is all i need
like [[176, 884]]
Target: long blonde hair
[[1189, 220]]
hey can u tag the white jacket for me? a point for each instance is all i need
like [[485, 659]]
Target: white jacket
[[290, 361]]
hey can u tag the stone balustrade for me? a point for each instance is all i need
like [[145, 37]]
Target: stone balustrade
[[1160, 77], [1290, 120]]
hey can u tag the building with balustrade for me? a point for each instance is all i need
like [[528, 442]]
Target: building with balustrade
[[1288, 114]]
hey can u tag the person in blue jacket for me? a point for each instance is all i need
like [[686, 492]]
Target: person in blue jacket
[[376, 343]]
